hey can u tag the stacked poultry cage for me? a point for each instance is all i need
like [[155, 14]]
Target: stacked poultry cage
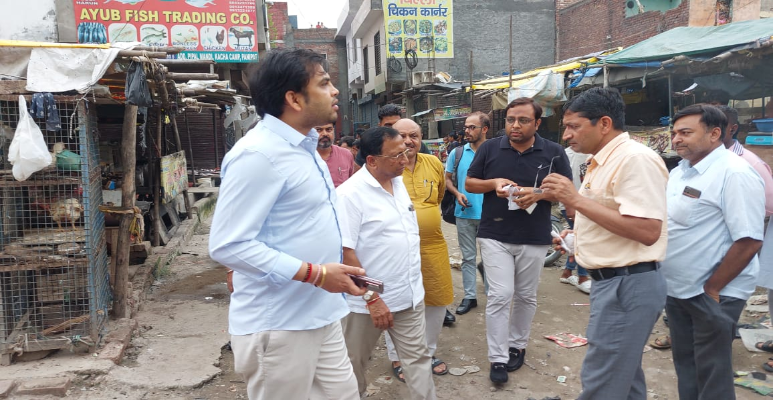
[[54, 287]]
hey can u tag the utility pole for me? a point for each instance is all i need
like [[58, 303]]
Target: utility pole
[[510, 72], [471, 92]]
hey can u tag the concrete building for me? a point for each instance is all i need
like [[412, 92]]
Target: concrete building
[[587, 26], [479, 26]]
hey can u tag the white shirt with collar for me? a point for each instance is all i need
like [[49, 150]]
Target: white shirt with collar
[[383, 231], [725, 203]]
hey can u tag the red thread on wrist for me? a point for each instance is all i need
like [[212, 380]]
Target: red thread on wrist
[[308, 273]]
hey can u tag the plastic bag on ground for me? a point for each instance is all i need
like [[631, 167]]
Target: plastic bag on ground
[[28, 151]]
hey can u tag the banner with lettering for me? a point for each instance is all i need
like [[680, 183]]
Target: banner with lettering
[[425, 26], [220, 30]]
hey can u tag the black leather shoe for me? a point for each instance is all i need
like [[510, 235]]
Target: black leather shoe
[[466, 305], [498, 373], [450, 319], [516, 359]]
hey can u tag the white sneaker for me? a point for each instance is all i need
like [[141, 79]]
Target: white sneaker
[[584, 287], [573, 280]]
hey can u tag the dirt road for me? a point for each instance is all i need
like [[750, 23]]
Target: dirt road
[[195, 282]]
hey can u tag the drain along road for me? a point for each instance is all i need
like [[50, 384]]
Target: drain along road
[[181, 354]]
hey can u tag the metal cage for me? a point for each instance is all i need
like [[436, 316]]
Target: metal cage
[[54, 284]]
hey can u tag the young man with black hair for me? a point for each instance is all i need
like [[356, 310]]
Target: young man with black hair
[[285, 311], [716, 211], [620, 235]]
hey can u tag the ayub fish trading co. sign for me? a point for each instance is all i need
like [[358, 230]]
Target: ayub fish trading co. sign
[[425, 26], [220, 30]]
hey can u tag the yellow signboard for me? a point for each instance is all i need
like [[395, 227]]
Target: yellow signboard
[[425, 26]]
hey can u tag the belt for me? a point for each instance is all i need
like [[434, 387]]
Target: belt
[[609, 273]]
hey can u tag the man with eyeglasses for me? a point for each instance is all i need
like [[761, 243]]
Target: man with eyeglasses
[[381, 234], [513, 242], [468, 205], [339, 161], [424, 178], [620, 235]]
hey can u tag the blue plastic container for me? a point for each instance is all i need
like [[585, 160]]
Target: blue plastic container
[[764, 125]]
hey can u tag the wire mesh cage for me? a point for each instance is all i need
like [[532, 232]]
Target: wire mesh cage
[[54, 284]]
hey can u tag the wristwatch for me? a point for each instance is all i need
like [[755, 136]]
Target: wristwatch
[[368, 296]]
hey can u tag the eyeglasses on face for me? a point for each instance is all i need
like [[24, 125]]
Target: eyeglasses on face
[[396, 157], [471, 127], [328, 130], [521, 121]]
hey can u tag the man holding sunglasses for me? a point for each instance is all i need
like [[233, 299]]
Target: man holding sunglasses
[[513, 242]]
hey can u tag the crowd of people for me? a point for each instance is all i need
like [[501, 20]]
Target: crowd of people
[[298, 216]]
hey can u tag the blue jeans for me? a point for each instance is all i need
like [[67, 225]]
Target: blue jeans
[[571, 265], [467, 230]]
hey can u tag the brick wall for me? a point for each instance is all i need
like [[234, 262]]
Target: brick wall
[[594, 25], [278, 24]]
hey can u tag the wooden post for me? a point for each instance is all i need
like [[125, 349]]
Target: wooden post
[[214, 129], [128, 162], [156, 166], [190, 147]]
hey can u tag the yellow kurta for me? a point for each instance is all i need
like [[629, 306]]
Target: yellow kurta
[[426, 185]]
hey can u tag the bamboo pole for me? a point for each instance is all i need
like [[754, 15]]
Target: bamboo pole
[[180, 76], [128, 190], [510, 72], [156, 166]]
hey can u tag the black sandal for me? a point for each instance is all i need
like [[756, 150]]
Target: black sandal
[[767, 367], [765, 346], [398, 370], [436, 362]]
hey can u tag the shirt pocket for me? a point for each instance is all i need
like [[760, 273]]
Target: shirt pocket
[[681, 209]]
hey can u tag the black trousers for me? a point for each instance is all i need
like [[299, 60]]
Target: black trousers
[[702, 333]]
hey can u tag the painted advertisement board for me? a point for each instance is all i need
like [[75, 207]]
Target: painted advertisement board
[[425, 26], [220, 30]]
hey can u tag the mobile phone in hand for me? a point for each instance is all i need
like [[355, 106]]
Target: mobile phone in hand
[[368, 283]]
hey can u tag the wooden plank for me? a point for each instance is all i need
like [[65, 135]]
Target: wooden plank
[[14, 87], [121, 291], [204, 190]]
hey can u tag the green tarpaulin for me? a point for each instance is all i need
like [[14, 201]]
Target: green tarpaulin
[[695, 40]]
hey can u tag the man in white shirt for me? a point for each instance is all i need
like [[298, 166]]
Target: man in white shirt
[[381, 235], [716, 208], [279, 233]]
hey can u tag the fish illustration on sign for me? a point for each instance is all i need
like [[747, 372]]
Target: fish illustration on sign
[[130, 2], [198, 3]]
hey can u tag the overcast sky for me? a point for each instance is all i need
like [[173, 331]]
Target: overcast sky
[[310, 12]]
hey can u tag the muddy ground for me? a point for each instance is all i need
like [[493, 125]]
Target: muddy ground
[[194, 279]]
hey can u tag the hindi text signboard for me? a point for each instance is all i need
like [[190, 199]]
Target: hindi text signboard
[[425, 26]]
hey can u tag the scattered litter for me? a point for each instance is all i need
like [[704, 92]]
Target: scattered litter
[[387, 380], [647, 348], [757, 300], [561, 379], [546, 398], [741, 373], [568, 340], [208, 298], [372, 390], [457, 371], [750, 337], [579, 304], [472, 368], [567, 369], [764, 388]]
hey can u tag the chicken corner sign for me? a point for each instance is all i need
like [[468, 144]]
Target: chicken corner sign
[[219, 30]]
